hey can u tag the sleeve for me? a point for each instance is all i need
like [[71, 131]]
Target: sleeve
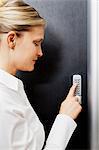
[[61, 132]]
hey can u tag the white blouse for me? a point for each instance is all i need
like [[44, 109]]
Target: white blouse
[[20, 127]]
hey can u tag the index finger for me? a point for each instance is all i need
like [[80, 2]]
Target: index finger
[[72, 90]]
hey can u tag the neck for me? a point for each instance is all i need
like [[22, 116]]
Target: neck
[[6, 65], [7, 69]]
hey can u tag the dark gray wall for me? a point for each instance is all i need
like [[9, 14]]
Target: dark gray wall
[[65, 54]]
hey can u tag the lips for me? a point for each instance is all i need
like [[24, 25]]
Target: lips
[[34, 60]]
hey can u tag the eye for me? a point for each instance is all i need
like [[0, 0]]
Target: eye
[[36, 44]]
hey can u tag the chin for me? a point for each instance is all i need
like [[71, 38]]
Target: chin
[[30, 69], [27, 68]]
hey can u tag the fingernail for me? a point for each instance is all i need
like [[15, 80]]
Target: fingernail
[[75, 84]]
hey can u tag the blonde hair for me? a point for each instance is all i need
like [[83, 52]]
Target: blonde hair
[[16, 15]]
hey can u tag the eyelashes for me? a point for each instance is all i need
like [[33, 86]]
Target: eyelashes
[[37, 43]]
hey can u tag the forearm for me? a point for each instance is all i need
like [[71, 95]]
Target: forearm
[[60, 133]]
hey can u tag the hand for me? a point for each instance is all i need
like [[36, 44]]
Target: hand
[[71, 105]]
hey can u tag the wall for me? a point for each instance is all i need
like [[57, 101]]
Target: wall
[[65, 54]]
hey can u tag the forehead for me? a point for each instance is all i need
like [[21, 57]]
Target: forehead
[[37, 31]]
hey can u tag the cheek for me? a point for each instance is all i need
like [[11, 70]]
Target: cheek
[[18, 59], [25, 52], [28, 50]]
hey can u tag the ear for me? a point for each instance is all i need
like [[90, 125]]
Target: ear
[[11, 39]]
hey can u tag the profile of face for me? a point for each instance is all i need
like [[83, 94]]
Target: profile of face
[[27, 49], [21, 51]]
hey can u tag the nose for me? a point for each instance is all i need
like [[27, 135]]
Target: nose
[[40, 53]]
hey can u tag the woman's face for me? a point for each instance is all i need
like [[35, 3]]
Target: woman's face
[[28, 49]]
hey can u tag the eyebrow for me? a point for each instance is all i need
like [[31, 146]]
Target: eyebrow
[[38, 40]]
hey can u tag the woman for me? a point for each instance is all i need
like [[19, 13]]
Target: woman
[[21, 35]]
